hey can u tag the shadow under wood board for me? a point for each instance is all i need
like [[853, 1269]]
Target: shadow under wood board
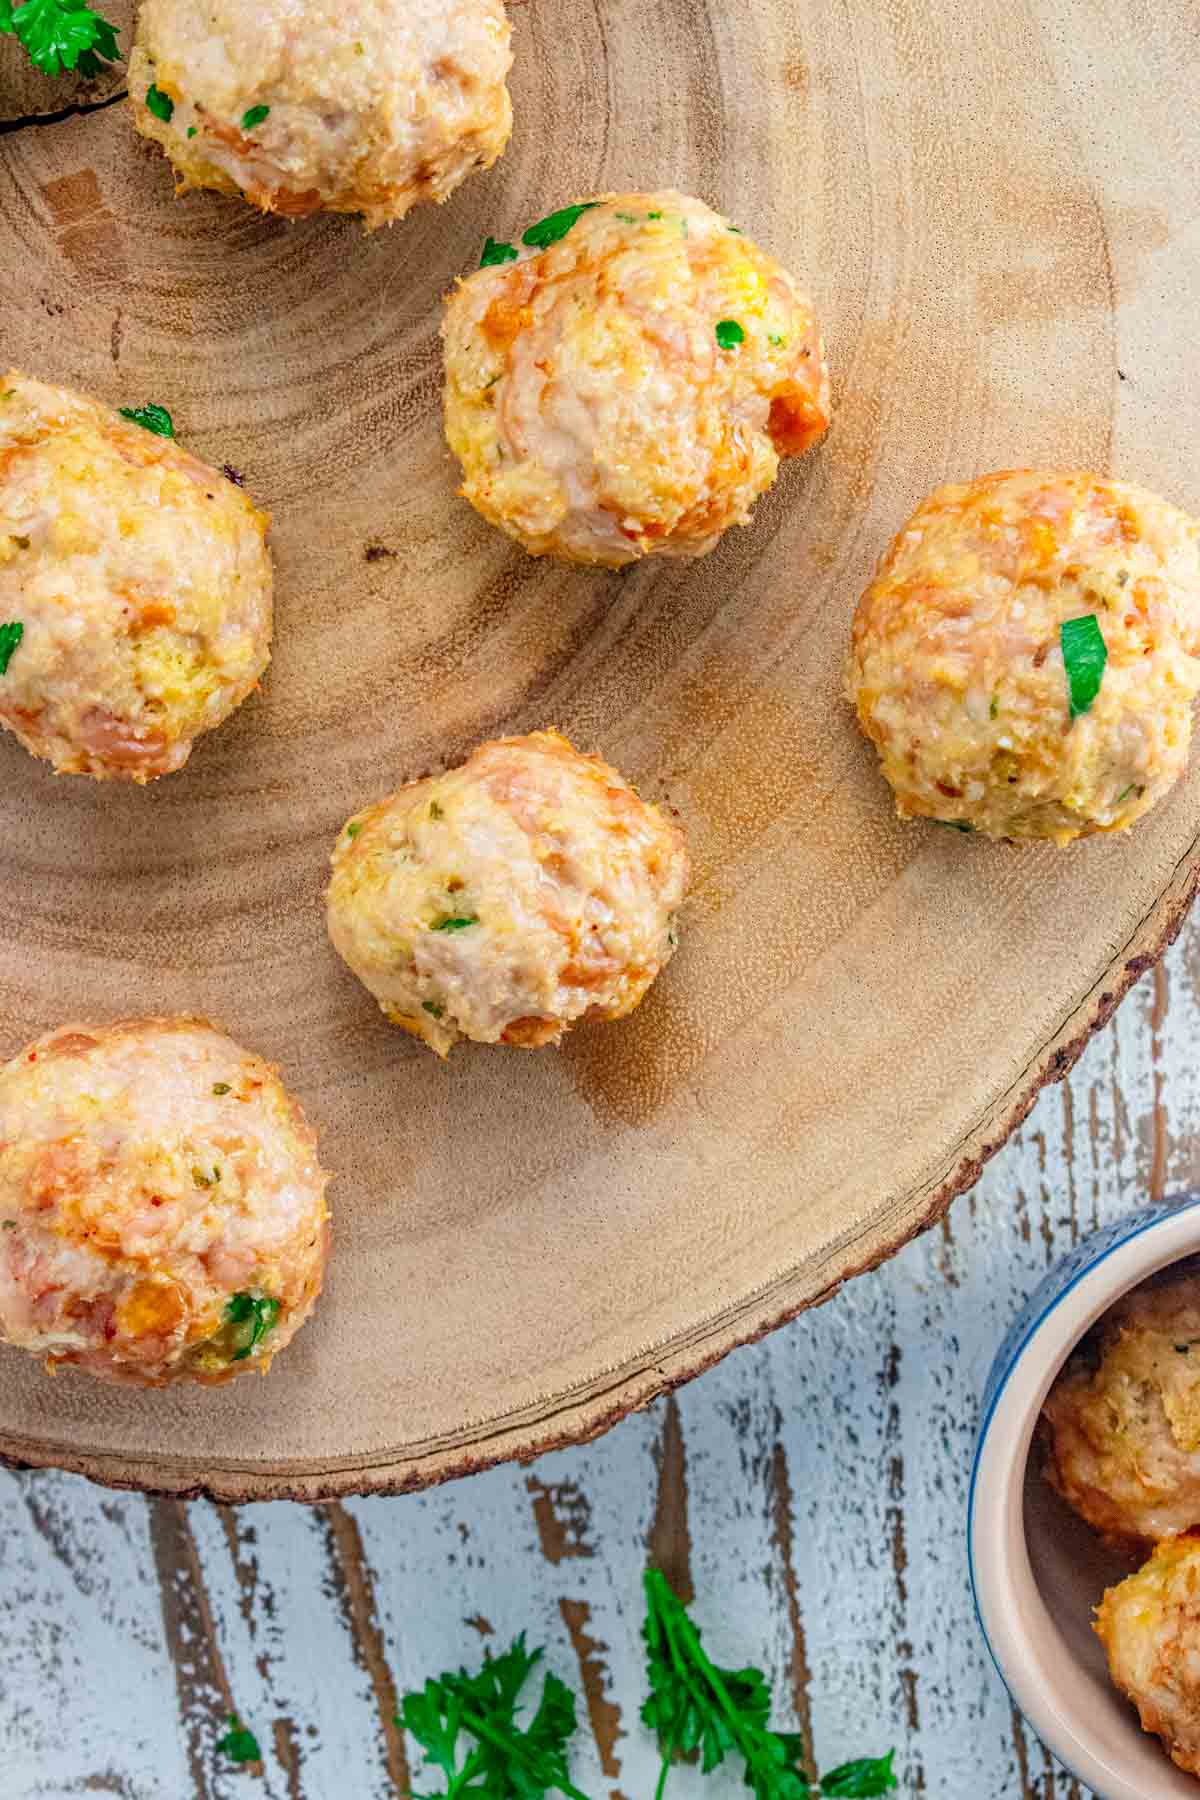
[[995, 212]]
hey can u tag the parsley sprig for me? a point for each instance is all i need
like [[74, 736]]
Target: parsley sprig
[[11, 634], [696, 1706], [470, 1730], [151, 417], [467, 1725], [556, 225], [1084, 655], [495, 253], [159, 103], [57, 35], [252, 1316], [239, 1744]]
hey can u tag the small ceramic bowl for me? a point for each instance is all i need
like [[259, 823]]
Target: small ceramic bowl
[[1037, 1570]]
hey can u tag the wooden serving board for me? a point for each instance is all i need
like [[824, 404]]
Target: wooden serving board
[[995, 211]]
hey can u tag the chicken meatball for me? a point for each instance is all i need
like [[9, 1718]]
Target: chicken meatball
[[162, 1210], [1149, 1625], [1122, 1421], [505, 900], [1025, 659], [624, 383], [135, 588], [304, 106]]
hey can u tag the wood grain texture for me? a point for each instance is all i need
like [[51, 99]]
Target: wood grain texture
[[811, 1490], [529, 1246]]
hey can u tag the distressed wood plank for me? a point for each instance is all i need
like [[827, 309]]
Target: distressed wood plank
[[88, 1693], [294, 1625]]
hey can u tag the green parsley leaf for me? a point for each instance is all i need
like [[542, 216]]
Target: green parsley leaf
[[1084, 655], [994, 708], [152, 418], [736, 230], [353, 828], [952, 824], [494, 253], [191, 131], [556, 225], [774, 337], [468, 1727], [696, 1706], [255, 116], [626, 218], [860, 1780], [435, 811], [458, 923], [58, 35], [730, 334], [252, 1316], [220, 1087], [11, 1225], [160, 104], [431, 1006], [655, 215], [239, 1744], [10, 636]]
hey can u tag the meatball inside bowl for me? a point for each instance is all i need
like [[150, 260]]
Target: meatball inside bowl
[[625, 380], [162, 1209], [305, 106], [135, 588], [1122, 1421], [1039, 1571], [1149, 1624], [509, 898], [1026, 659]]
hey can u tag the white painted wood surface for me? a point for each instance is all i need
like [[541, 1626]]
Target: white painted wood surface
[[812, 1488]]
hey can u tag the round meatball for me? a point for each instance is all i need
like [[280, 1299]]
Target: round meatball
[[1122, 1421], [624, 383], [135, 588], [304, 106], [1149, 1625], [162, 1211], [957, 666], [505, 900]]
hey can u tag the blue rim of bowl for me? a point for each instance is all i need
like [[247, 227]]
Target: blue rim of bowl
[[1136, 1226]]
